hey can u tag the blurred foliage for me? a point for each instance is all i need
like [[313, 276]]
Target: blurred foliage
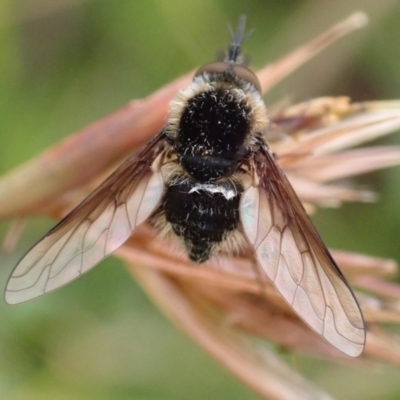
[[65, 63]]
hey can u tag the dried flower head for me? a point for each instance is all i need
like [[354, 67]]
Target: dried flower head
[[226, 306]]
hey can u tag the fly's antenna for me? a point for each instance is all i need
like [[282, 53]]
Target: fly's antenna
[[237, 39]]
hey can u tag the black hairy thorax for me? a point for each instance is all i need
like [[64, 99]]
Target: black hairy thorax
[[211, 135], [202, 204]]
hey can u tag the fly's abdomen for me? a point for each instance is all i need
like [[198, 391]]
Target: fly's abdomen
[[202, 214]]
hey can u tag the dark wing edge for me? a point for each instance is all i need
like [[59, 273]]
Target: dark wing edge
[[95, 228], [292, 254]]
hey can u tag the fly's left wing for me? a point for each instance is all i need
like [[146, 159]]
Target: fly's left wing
[[292, 254], [94, 229]]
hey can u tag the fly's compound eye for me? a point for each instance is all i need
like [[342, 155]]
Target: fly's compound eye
[[224, 67]]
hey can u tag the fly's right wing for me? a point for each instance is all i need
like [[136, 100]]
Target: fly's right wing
[[292, 254]]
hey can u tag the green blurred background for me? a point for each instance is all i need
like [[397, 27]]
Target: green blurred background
[[65, 63]]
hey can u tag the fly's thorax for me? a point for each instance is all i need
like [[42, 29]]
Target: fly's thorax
[[214, 124]]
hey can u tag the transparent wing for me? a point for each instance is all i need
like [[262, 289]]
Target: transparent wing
[[292, 254], [94, 229]]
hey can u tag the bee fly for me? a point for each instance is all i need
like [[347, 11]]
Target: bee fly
[[209, 180]]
